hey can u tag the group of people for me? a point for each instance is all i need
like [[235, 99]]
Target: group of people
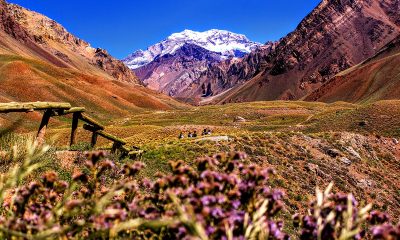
[[193, 134]]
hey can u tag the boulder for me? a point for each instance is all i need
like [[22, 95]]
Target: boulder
[[363, 123], [353, 153], [345, 161], [316, 170], [333, 153], [312, 167], [365, 183], [239, 119]]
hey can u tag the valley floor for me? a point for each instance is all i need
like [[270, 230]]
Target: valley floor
[[308, 144]]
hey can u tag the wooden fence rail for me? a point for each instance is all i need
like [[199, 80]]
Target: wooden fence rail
[[54, 109], [32, 106]]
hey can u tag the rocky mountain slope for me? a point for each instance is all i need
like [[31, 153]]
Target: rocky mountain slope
[[374, 79], [41, 61], [333, 37], [189, 65], [175, 74]]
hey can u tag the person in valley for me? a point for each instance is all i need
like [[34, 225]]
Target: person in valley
[[181, 136], [204, 132], [190, 135]]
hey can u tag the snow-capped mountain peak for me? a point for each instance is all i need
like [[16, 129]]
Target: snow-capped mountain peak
[[227, 43]]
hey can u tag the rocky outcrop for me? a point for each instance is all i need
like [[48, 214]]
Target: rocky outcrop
[[112, 66], [332, 38]]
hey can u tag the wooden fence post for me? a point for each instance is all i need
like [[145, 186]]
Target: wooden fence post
[[43, 126], [115, 147], [94, 139], [75, 121]]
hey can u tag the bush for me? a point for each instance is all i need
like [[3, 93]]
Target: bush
[[221, 197]]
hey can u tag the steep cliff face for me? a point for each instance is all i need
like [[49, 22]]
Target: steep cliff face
[[335, 36], [377, 78], [44, 38]]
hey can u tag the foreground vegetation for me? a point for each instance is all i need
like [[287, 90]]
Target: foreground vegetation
[[220, 197], [285, 150]]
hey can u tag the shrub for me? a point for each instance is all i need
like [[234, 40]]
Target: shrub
[[221, 197]]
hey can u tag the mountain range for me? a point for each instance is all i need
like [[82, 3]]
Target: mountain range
[[226, 43], [343, 50], [335, 36], [180, 65], [376, 78]]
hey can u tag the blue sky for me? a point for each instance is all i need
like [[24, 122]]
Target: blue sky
[[123, 26]]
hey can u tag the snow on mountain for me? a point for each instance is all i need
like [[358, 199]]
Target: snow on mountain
[[220, 41]]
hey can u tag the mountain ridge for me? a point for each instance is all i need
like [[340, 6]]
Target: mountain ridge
[[173, 74], [333, 37], [63, 46]]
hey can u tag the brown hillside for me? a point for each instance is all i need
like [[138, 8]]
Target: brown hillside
[[332, 38], [24, 79], [378, 78], [41, 61], [47, 40]]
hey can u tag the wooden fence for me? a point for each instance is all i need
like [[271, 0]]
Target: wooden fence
[[54, 109]]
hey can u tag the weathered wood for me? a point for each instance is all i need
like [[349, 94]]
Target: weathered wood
[[43, 126], [125, 149], [69, 111], [60, 109], [75, 110], [104, 134], [32, 106], [94, 139], [129, 152], [115, 147], [91, 121], [74, 128], [136, 152]]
